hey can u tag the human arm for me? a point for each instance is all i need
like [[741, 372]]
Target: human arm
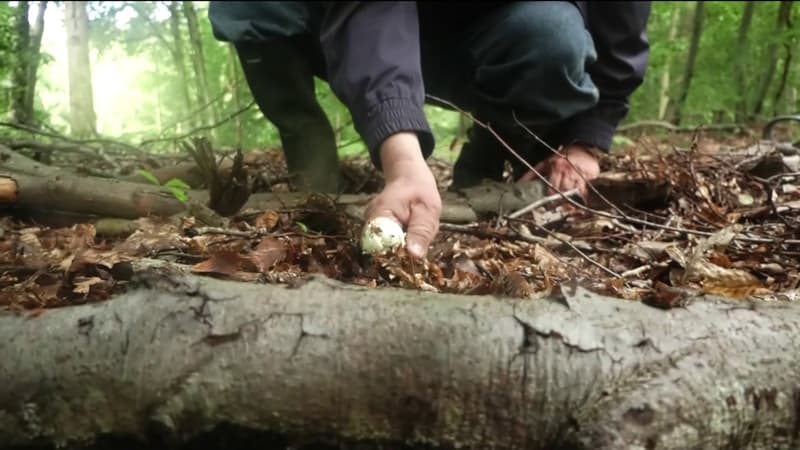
[[373, 59], [619, 32]]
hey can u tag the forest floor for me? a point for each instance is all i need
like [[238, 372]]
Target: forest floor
[[712, 223]]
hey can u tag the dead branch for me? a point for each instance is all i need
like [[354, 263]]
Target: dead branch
[[197, 130], [735, 127]]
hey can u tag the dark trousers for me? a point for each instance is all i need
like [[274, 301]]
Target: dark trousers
[[526, 60]]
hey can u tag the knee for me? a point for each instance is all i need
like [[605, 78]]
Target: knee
[[552, 36]]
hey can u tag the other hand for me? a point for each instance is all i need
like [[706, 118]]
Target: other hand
[[410, 196], [564, 176]]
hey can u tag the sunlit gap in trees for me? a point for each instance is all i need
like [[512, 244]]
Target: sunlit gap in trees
[[125, 85]]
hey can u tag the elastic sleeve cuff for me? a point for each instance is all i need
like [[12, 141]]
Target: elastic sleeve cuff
[[394, 116], [590, 131]]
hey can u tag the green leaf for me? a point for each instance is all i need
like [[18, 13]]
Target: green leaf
[[149, 175], [302, 226], [178, 184], [622, 141], [179, 194]]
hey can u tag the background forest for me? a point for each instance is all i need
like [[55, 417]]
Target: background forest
[[139, 72]]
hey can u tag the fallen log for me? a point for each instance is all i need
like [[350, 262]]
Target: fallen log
[[178, 356], [42, 187]]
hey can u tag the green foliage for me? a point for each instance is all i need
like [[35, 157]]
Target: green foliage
[[7, 42], [176, 186], [714, 94], [133, 59]]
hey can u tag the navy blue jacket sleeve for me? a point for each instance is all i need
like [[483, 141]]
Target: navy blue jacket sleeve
[[372, 51], [619, 31]]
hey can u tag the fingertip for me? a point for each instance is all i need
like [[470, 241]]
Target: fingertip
[[416, 249]]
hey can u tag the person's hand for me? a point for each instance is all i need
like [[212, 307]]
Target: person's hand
[[565, 176], [410, 196]]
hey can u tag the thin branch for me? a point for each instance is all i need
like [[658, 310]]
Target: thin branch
[[579, 251], [757, 240], [672, 127], [489, 234], [540, 202], [202, 128], [61, 137]]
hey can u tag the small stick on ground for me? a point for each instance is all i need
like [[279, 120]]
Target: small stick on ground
[[542, 201]]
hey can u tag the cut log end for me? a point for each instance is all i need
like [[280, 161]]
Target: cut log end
[[8, 191]]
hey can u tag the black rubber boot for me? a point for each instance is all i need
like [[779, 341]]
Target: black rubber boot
[[484, 156], [481, 158], [281, 79]]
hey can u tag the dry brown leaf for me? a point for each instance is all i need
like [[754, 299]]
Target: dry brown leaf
[[720, 259], [84, 285], [268, 220], [221, 263], [514, 285], [734, 283], [733, 291], [666, 297], [82, 236], [269, 252], [152, 237], [546, 260], [462, 281], [33, 254]]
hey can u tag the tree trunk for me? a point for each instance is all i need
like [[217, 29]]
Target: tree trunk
[[177, 356], [697, 32], [663, 95], [199, 63], [35, 57], [180, 58], [22, 61], [788, 46], [233, 65], [741, 53], [772, 55], [82, 118]]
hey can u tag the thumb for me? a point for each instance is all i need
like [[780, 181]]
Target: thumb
[[422, 228]]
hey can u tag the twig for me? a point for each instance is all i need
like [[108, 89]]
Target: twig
[[636, 272], [580, 252], [757, 240], [540, 202], [202, 128], [673, 127], [489, 234], [256, 233], [66, 138]]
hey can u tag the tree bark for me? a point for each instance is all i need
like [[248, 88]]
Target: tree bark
[[22, 58], [697, 32], [772, 55], [199, 64], [83, 120], [179, 56], [178, 355], [663, 95], [740, 52], [788, 46], [35, 58], [43, 187], [233, 65]]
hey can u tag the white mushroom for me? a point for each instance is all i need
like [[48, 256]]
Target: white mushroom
[[382, 235]]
